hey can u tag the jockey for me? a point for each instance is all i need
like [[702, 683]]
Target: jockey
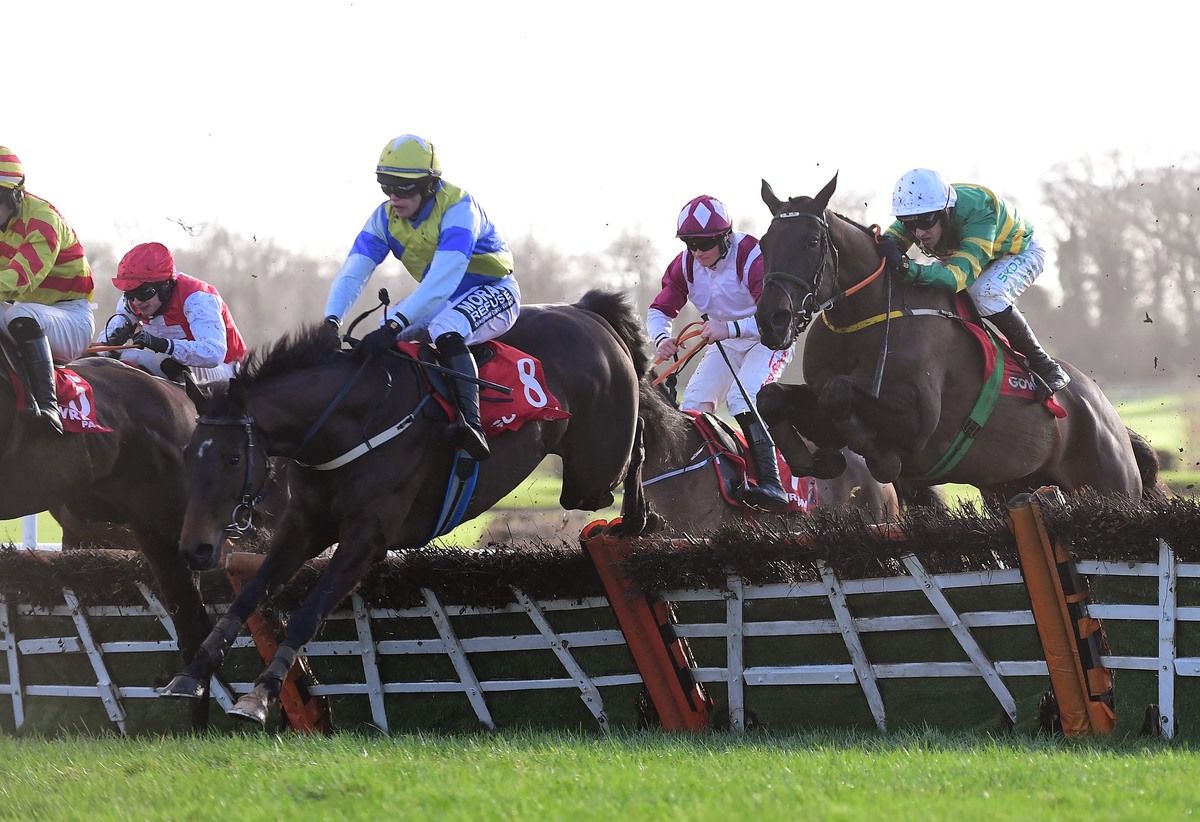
[[170, 314], [721, 272], [45, 288], [466, 293], [980, 245]]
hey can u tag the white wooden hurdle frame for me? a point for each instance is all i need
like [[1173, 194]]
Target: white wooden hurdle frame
[[735, 630]]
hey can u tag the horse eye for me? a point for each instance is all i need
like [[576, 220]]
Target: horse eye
[[235, 459], [814, 242]]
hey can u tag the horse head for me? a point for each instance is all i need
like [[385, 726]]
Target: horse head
[[228, 472], [800, 262]]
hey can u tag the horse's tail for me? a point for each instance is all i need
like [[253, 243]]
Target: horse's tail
[[666, 426], [617, 311], [1147, 463]]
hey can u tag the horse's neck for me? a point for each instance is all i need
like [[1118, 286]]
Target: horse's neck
[[858, 260]]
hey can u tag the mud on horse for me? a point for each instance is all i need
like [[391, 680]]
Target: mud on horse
[[306, 400], [892, 373]]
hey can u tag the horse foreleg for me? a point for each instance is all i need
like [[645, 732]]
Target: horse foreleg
[[185, 605], [791, 413], [350, 563], [192, 681], [839, 400]]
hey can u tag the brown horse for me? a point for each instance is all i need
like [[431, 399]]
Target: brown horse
[[132, 476], [308, 401], [682, 487], [900, 391]]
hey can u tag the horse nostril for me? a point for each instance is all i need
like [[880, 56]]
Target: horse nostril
[[201, 557], [780, 320]]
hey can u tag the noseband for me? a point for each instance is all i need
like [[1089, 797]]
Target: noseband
[[242, 517], [803, 314]]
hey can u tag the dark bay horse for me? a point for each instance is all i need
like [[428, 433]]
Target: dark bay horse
[[132, 476], [691, 501], [931, 376], [306, 400]]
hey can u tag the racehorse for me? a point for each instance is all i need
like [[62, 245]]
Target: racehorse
[[682, 485], [309, 401], [132, 476], [892, 372]]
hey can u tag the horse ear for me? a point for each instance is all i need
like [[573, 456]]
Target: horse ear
[[195, 393], [237, 397], [768, 197], [822, 198]]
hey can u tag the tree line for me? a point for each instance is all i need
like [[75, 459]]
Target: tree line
[[1125, 236]]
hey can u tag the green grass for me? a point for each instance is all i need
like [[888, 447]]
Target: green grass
[[48, 530], [917, 775]]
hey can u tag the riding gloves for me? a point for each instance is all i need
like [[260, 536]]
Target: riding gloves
[[380, 340], [120, 336], [895, 259], [159, 345]]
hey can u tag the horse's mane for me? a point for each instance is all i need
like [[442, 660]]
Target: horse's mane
[[667, 428], [618, 312], [305, 347]]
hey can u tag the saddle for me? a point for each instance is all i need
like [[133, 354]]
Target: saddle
[[733, 465], [1017, 379], [76, 406]]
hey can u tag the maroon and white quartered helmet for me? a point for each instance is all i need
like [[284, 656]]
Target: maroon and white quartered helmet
[[703, 216]]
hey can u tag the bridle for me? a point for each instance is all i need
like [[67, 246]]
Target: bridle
[[242, 517], [809, 307]]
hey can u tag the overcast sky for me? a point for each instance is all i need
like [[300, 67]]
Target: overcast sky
[[569, 120]]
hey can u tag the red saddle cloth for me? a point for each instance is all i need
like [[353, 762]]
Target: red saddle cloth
[[728, 448], [75, 403], [1017, 381], [530, 399]]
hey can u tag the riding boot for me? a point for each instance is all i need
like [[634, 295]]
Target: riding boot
[[467, 431], [34, 349], [768, 495], [1012, 324]]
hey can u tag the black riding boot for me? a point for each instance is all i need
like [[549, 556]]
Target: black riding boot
[[768, 495], [34, 349], [1012, 324], [467, 431]]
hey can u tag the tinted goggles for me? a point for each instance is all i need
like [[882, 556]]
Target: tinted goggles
[[700, 243], [407, 190], [920, 222], [142, 293]]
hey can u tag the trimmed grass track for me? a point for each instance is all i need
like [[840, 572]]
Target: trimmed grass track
[[568, 776]]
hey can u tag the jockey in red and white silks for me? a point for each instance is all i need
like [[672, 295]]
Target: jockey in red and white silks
[[727, 292], [177, 316]]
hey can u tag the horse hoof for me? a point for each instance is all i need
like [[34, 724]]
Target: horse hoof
[[886, 468], [250, 708], [183, 686], [828, 463]]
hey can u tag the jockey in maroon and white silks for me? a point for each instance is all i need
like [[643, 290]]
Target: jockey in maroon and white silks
[[721, 272], [171, 314], [727, 293]]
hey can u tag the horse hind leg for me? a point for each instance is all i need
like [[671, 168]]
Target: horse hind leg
[[636, 515]]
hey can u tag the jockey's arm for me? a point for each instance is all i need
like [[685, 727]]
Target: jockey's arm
[[956, 273], [369, 250], [669, 302], [32, 259], [121, 324], [457, 234], [208, 345]]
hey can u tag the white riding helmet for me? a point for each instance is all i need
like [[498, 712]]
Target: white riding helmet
[[922, 191]]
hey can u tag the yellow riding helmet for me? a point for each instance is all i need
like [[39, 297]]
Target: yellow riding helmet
[[409, 156], [12, 173]]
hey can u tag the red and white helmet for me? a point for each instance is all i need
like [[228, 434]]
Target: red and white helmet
[[144, 263], [703, 216]]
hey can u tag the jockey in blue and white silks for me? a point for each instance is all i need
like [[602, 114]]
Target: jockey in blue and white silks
[[466, 294]]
